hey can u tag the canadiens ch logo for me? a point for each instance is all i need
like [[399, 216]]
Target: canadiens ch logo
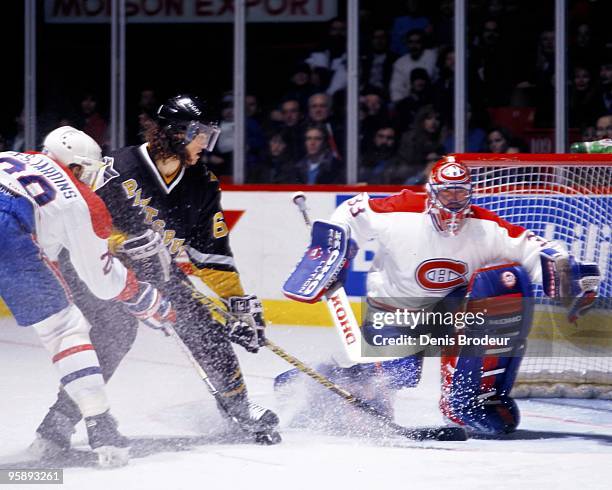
[[441, 274]]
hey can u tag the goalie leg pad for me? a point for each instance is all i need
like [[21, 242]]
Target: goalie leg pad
[[477, 379]]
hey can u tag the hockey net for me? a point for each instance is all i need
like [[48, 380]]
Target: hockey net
[[566, 198]]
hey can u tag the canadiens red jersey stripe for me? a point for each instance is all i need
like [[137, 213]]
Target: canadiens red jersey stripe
[[131, 287], [410, 202], [406, 201], [55, 270], [72, 350], [100, 217], [514, 231]]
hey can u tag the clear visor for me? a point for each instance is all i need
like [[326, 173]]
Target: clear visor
[[454, 197], [94, 173], [208, 133]]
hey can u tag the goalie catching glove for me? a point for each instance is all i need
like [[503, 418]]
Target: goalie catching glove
[[247, 328], [574, 283], [324, 263]]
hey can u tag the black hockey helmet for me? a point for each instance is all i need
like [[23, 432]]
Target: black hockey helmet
[[186, 115]]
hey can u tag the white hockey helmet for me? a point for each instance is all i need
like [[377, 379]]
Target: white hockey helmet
[[72, 147]]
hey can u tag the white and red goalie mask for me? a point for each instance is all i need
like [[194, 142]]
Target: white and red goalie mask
[[449, 191]]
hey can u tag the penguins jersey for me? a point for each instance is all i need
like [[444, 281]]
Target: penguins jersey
[[416, 265], [66, 214], [185, 209]]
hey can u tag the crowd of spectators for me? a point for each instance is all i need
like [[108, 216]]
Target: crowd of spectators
[[407, 66]]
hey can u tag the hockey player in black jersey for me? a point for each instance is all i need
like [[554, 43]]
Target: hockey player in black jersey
[[162, 186]]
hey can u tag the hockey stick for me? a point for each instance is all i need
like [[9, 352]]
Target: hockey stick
[[416, 433], [260, 437]]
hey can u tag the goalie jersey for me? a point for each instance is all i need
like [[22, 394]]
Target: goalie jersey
[[416, 266], [185, 210]]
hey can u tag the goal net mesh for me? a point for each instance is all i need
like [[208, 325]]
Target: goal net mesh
[[566, 198]]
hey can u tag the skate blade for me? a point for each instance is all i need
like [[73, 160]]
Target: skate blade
[[44, 449], [112, 457], [268, 438]]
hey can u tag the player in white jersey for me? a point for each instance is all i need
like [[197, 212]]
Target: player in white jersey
[[452, 275], [44, 209]]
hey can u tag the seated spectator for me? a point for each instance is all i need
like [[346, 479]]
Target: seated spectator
[[91, 121], [489, 58], [499, 140], [605, 78], [329, 61], [292, 126], [425, 137], [319, 166], [379, 164], [583, 104], [300, 84], [376, 63], [476, 137], [603, 128], [545, 58], [420, 95], [430, 160], [220, 162], [413, 19], [145, 115], [276, 166], [252, 109], [583, 51], [417, 57], [319, 112], [588, 133], [443, 88], [372, 113], [443, 27]]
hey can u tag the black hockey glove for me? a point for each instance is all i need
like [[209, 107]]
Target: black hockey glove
[[151, 308], [248, 328]]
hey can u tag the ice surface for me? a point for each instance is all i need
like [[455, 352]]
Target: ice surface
[[161, 403]]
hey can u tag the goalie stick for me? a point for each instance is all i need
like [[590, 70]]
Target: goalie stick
[[348, 328], [415, 433], [339, 306]]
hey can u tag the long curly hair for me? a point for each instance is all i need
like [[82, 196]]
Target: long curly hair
[[164, 144]]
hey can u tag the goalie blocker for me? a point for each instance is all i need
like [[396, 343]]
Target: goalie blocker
[[323, 264]]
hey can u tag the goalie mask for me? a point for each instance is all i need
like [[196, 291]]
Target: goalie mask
[[449, 191], [183, 119], [79, 152]]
